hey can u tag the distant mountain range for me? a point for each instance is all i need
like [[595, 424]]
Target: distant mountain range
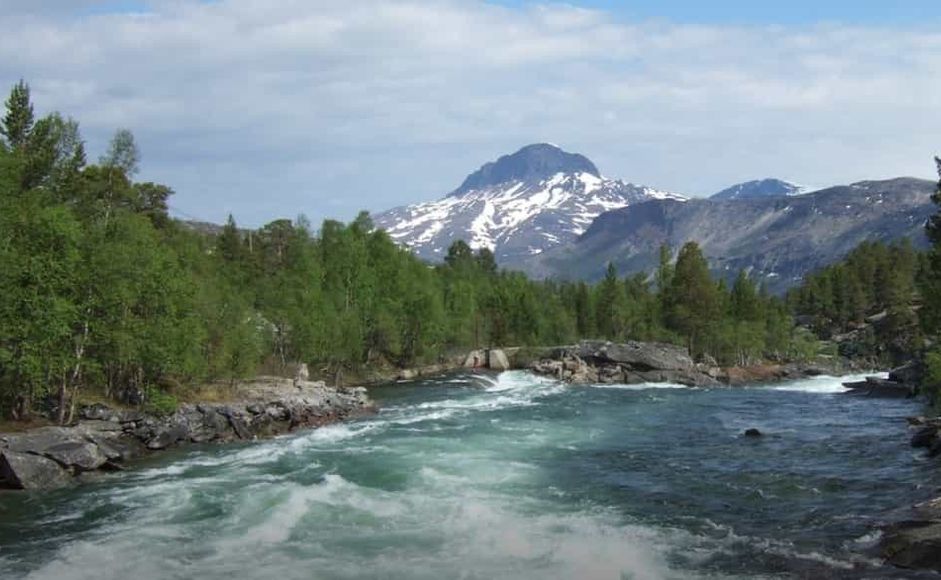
[[518, 206], [776, 239], [551, 213]]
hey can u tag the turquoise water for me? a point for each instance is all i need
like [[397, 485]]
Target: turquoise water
[[509, 476]]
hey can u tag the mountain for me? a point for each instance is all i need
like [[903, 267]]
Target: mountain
[[759, 188], [518, 206], [776, 239]]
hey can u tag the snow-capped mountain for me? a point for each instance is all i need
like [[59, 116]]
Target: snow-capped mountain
[[518, 206], [759, 188]]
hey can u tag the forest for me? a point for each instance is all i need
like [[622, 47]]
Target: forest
[[104, 294]]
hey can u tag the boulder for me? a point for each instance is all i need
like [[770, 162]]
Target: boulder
[[639, 356], [28, 471], [78, 456], [913, 544], [497, 360], [925, 436], [475, 359], [881, 388], [910, 373], [37, 441], [240, 427], [167, 435]]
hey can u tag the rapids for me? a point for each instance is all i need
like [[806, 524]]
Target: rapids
[[480, 476]]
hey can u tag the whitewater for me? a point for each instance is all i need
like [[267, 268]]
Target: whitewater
[[504, 476]]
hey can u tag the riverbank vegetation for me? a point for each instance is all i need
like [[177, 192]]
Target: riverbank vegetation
[[102, 291]]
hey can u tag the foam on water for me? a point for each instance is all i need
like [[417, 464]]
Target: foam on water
[[825, 383], [509, 476]]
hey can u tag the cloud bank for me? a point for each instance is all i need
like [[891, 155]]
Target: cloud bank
[[268, 109]]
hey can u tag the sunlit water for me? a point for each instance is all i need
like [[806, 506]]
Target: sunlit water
[[509, 476]]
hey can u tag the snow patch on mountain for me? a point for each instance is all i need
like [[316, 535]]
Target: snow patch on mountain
[[547, 197]]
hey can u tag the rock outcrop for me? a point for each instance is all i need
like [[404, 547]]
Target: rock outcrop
[[882, 388], [627, 363], [491, 358], [104, 438], [903, 383], [915, 542], [927, 434]]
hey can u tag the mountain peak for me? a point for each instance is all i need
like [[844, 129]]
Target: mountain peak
[[768, 187], [531, 163]]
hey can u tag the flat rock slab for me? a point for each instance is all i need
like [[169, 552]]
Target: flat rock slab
[[881, 388], [641, 356]]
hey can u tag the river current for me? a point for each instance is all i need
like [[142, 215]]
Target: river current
[[512, 476]]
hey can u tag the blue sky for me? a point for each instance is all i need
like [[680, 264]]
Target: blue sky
[[791, 12], [325, 107]]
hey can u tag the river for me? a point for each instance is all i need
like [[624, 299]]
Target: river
[[483, 476]]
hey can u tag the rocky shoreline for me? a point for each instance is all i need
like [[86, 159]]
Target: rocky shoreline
[[633, 362], [104, 439]]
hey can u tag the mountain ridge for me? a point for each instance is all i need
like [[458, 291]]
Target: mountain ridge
[[518, 206], [776, 239]]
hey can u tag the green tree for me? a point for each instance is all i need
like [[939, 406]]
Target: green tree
[[692, 300], [18, 121]]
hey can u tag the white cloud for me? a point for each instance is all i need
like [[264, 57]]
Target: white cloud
[[275, 108]]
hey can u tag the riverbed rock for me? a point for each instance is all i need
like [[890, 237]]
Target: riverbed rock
[[914, 545], [910, 373], [628, 363], [104, 437], [475, 359], [640, 356], [77, 456], [880, 388], [497, 360], [167, 435], [30, 472]]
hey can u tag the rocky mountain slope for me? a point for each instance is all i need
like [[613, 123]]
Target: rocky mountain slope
[[759, 188], [777, 239], [518, 206]]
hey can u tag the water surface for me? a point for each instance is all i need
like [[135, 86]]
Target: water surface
[[509, 476]]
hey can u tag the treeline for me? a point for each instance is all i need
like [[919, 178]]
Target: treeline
[[873, 292], [102, 292], [682, 303], [882, 302]]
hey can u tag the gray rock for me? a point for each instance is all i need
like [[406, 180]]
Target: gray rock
[[925, 436], [167, 435], [881, 388], [475, 359], [28, 471], [910, 373], [641, 356], [914, 544], [80, 456], [497, 360], [240, 427]]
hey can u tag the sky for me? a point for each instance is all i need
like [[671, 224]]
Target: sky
[[325, 107]]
